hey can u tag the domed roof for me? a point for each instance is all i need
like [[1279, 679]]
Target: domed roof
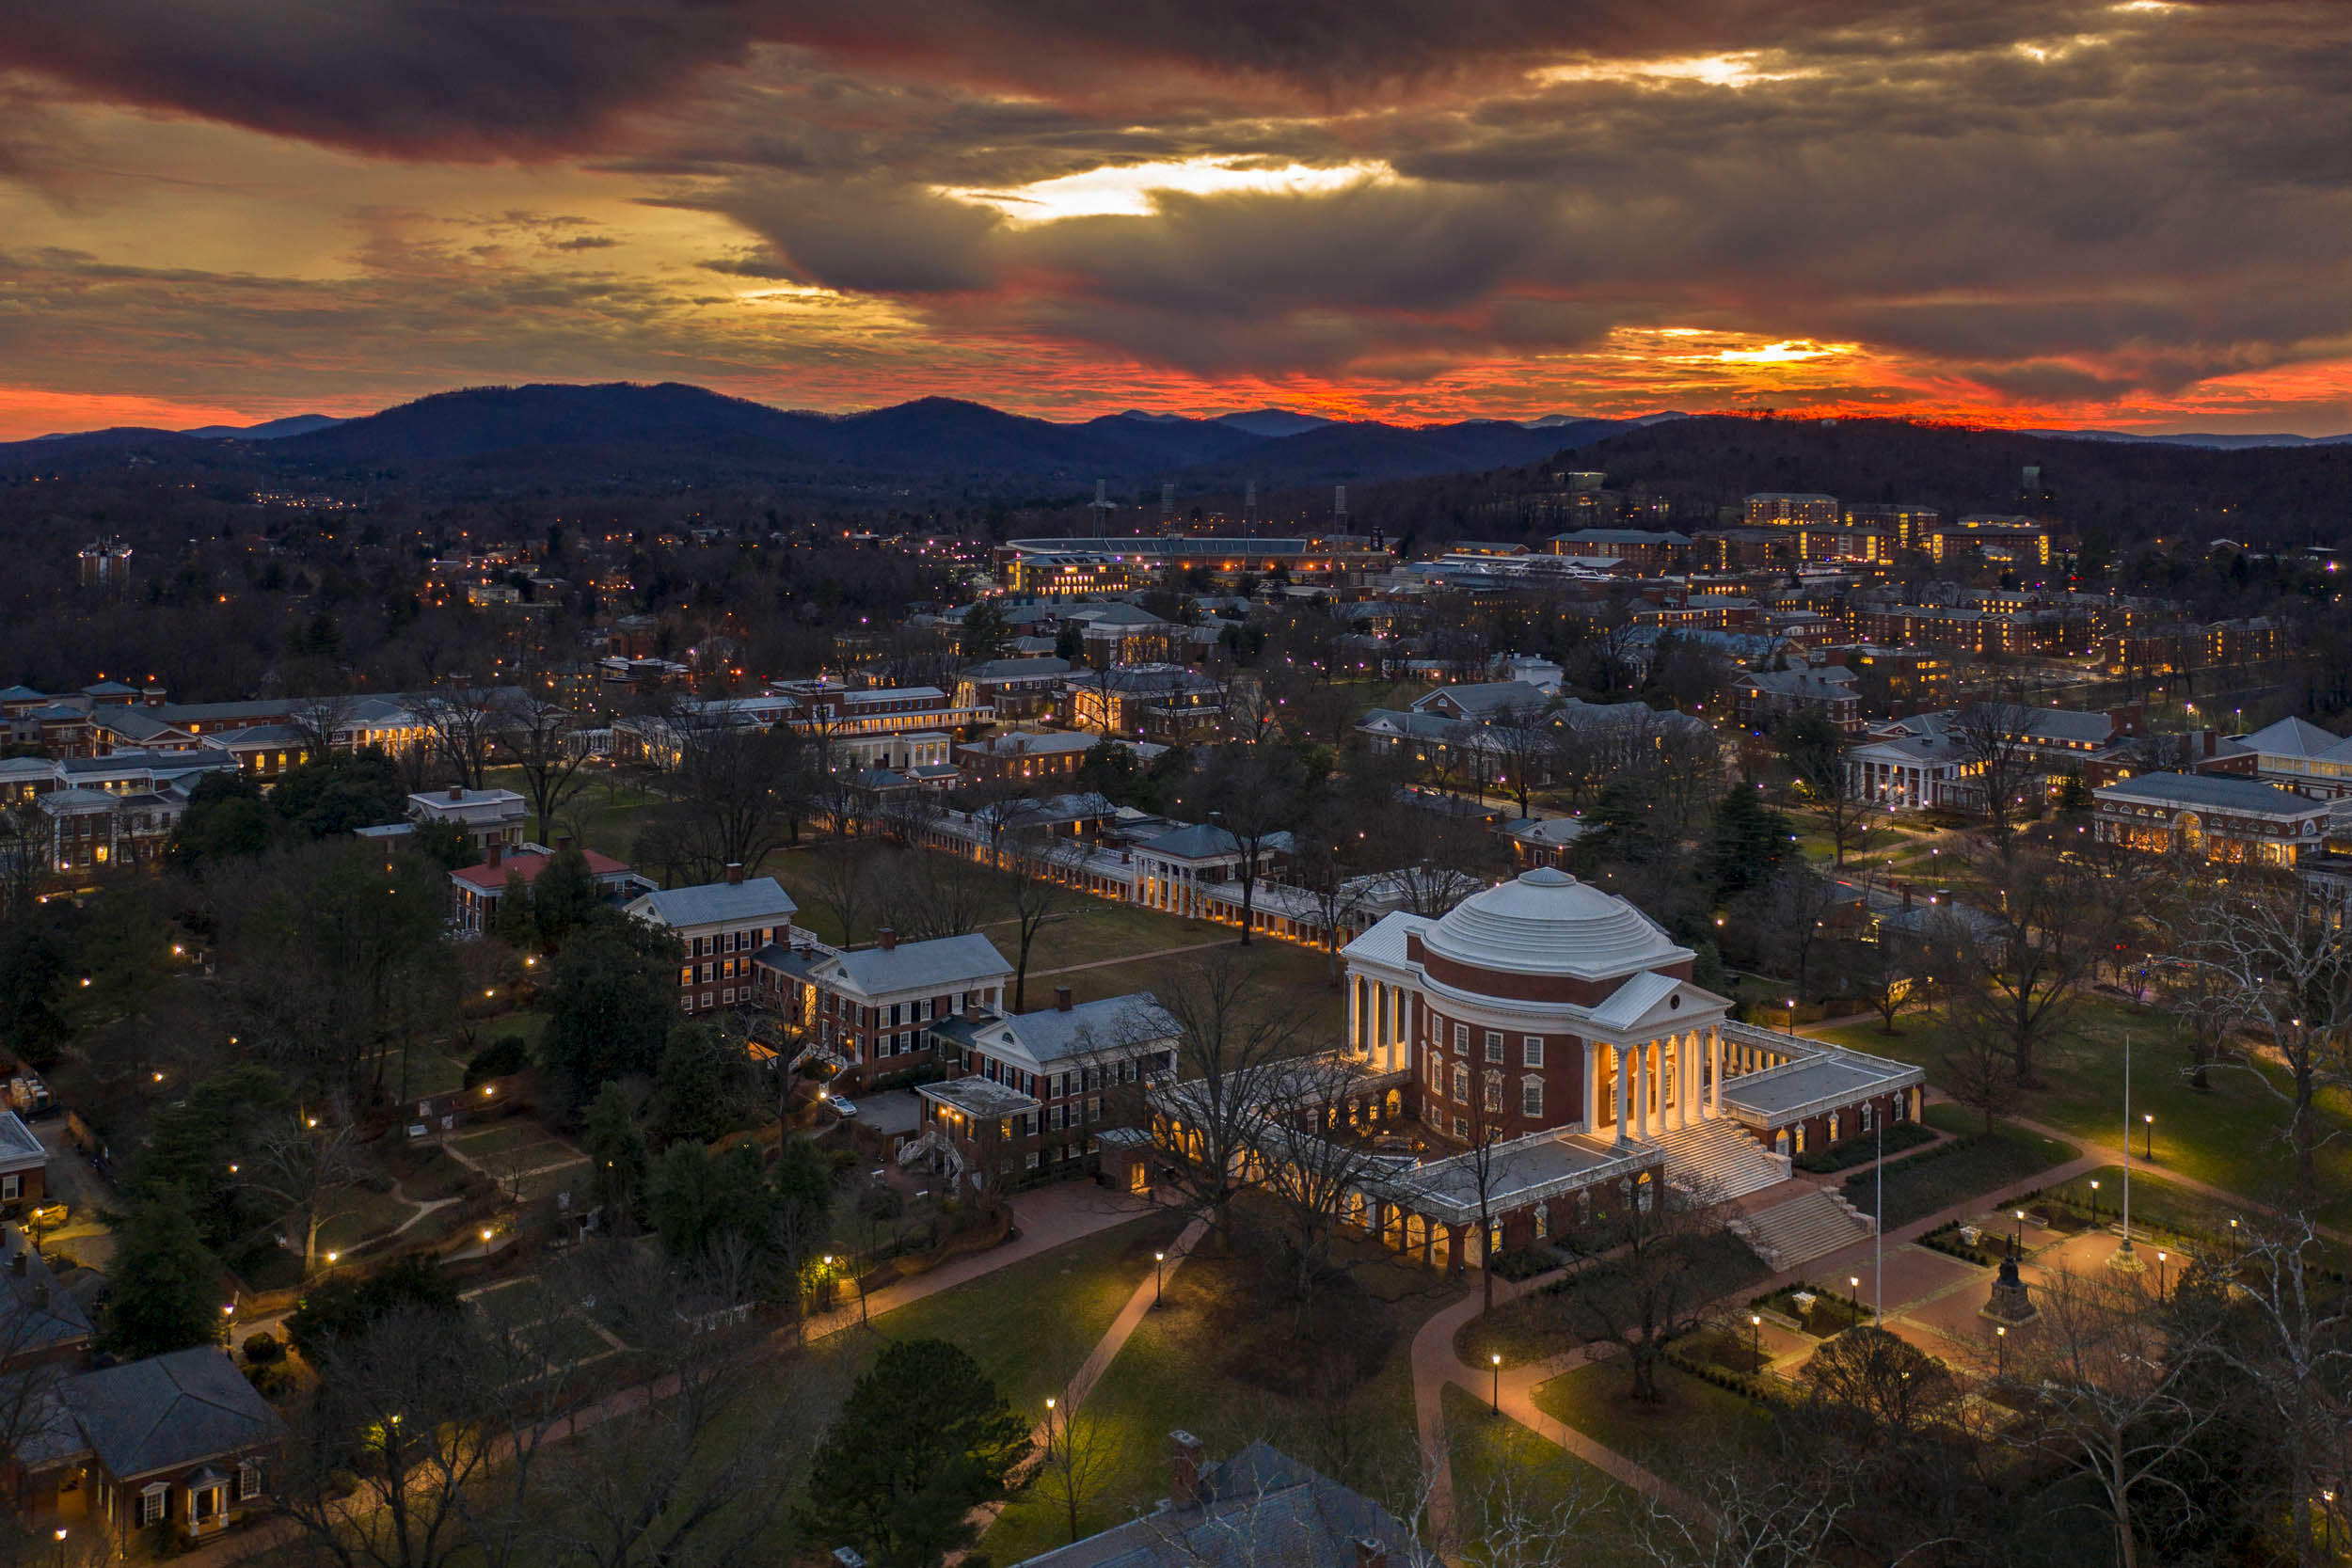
[[1546, 922]]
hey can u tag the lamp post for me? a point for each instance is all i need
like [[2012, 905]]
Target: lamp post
[[1157, 1259], [2094, 1204], [2000, 1342], [2019, 1216], [1792, 1018], [2232, 1241], [2148, 1138], [1853, 1294], [1494, 1401], [1756, 1342], [2160, 1259]]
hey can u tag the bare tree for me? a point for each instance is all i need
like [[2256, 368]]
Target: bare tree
[[1979, 1071], [2296, 1363], [1519, 742], [1815, 752], [842, 874], [1638, 1289], [538, 734], [1232, 1043], [1316, 1161], [1792, 910], [2276, 965], [462, 722], [2114, 1370], [310, 1164], [320, 721], [1040, 861], [1255, 793], [1082, 1454], [2021, 969], [731, 793], [1988, 739]]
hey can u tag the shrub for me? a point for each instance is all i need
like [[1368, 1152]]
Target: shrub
[[498, 1059], [1517, 1263], [262, 1349], [1863, 1148]]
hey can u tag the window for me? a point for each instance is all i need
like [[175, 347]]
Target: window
[[1461, 1128], [1494, 1046], [1532, 1051], [727, 996], [1530, 1097], [1492, 1094], [1436, 1075], [248, 1480], [155, 1503], [1461, 1036], [1461, 1083]]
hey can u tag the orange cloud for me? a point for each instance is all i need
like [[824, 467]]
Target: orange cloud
[[26, 412]]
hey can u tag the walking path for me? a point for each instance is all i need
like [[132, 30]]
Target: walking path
[[1136, 958], [1045, 1219], [1082, 1381]]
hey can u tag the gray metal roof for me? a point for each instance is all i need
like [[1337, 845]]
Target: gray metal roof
[[1051, 1035], [714, 903], [2213, 791], [17, 1141], [1260, 1508], [169, 1411]]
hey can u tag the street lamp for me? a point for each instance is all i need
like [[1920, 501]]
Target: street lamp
[[1792, 1018], [2000, 1342], [1853, 1294], [2094, 1204], [2160, 1276], [1157, 1259], [2021, 1229], [2233, 1241], [1495, 1399], [2148, 1147], [1756, 1342]]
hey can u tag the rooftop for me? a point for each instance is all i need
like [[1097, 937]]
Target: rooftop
[[168, 1411], [1054, 1034], [1546, 922], [2214, 792], [715, 903]]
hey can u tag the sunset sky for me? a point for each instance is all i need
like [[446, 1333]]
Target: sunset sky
[[2134, 214]]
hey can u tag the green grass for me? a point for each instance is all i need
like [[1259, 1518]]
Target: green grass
[[1222, 1362], [1538, 1326], [1090, 929], [372, 1215], [508, 1136], [1689, 1426], [1299, 976], [2226, 1135], [1506, 1478], [1972, 1165], [2165, 1207]]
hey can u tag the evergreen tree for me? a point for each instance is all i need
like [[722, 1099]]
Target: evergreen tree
[[610, 1003], [565, 896], [691, 1095], [167, 1286], [514, 924], [616, 1156], [923, 1439], [701, 1202], [226, 821], [1749, 840], [338, 793]]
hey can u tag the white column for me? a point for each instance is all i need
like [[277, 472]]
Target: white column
[[1591, 1084], [1715, 1072], [1625, 1092], [1356, 1013], [1642, 1089]]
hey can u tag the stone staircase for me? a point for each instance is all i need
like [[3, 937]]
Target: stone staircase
[[1718, 1159], [1803, 1229]]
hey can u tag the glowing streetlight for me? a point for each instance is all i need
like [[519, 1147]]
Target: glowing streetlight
[[1495, 1400], [1157, 1259]]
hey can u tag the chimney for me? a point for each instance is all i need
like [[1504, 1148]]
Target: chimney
[[457, 792], [1061, 999], [562, 842], [497, 853], [16, 1264], [734, 873], [1370, 1553], [40, 1297], [1184, 1469], [886, 937], [1906, 897]]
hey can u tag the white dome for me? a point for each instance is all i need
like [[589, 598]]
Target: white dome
[[1546, 922]]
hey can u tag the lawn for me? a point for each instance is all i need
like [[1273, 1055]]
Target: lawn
[[1090, 929], [1298, 975], [1691, 1426], [508, 1138], [1967, 1166], [1507, 1481], [1224, 1361], [2226, 1135], [2171, 1211], [1540, 1325], [372, 1215]]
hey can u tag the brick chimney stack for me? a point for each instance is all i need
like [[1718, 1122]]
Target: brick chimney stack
[[457, 792], [734, 873], [1370, 1553], [1061, 999], [886, 938], [497, 853], [1184, 1469]]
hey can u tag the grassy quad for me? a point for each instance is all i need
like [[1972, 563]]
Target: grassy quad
[[1228, 1359], [1507, 1478], [2227, 1136], [1691, 1425]]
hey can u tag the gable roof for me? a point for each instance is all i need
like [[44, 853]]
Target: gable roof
[[492, 879], [949, 961], [168, 1411], [709, 903], [1480, 698], [2216, 791], [1054, 1034], [2291, 737]]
